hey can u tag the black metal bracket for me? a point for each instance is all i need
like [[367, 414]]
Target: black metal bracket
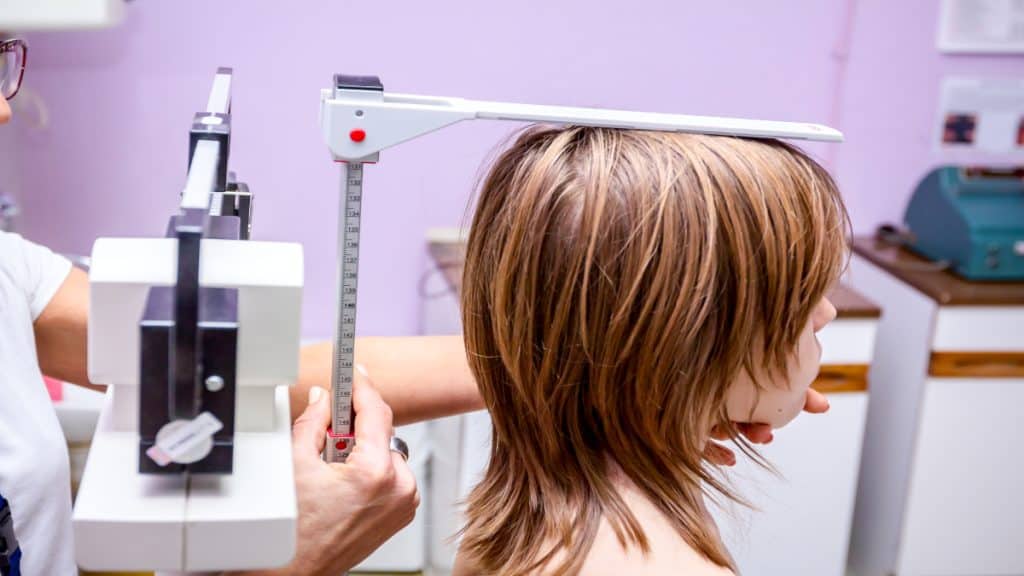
[[354, 82], [237, 201], [189, 352], [189, 333]]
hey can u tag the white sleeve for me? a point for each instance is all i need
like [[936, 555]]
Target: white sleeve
[[35, 270]]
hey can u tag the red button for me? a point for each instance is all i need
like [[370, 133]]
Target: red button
[[357, 135], [341, 445]]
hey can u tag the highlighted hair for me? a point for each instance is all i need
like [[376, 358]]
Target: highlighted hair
[[616, 283]]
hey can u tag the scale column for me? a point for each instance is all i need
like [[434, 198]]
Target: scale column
[[341, 437]]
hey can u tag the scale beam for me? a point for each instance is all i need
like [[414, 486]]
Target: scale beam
[[358, 123]]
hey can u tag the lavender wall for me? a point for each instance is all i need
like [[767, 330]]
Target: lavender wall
[[112, 159], [890, 95]]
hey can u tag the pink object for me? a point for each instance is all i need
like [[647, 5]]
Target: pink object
[[55, 388]]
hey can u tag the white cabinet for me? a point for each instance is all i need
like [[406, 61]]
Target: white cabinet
[[942, 463]]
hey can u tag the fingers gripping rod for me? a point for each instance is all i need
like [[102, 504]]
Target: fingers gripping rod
[[358, 119]]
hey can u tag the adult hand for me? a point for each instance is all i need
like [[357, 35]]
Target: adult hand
[[346, 511], [815, 403]]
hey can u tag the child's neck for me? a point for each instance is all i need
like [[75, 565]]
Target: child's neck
[[669, 552]]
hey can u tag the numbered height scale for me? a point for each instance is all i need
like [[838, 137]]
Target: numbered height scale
[[341, 437]]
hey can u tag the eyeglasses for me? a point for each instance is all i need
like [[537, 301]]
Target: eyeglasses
[[12, 66]]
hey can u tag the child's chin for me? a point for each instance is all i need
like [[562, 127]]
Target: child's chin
[[783, 420], [789, 413]]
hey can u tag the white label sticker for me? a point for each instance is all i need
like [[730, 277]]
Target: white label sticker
[[185, 441]]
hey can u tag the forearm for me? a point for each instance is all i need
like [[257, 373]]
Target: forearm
[[419, 377]]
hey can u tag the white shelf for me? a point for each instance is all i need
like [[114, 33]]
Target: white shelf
[[22, 15]]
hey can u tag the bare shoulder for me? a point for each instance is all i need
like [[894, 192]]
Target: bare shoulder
[[669, 552]]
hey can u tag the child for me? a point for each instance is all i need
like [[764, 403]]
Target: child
[[625, 292]]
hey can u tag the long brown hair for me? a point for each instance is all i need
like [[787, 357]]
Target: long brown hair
[[616, 283]]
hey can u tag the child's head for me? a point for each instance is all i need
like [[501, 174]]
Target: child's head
[[625, 291]]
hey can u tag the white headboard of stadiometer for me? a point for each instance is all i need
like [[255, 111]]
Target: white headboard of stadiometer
[[26, 15]]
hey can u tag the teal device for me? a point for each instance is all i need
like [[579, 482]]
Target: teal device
[[972, 218]]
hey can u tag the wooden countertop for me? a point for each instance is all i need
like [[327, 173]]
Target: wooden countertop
[[851, 304], [942, 286], [448, 256]]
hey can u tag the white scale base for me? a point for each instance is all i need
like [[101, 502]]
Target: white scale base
[[245, 520]]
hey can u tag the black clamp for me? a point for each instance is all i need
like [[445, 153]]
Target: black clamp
[[189, 345]]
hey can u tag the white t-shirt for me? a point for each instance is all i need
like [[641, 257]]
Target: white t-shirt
[[33, 454]]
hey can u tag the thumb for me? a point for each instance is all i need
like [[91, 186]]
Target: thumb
[[310, 430], [816, 402]]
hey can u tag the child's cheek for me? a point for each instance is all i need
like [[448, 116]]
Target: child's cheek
[[776, 405]]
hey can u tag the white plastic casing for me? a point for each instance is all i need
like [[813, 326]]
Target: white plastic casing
[[126, 521]]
